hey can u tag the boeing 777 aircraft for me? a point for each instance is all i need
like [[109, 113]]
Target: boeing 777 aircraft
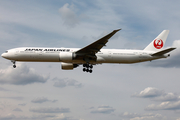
[[92, 54]]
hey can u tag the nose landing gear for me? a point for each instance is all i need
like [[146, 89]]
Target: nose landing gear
[[14, 64], [87, 68]]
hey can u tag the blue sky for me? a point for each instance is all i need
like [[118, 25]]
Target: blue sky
[[42, 91]]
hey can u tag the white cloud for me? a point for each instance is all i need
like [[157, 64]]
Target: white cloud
[[169, 101], [68, 15], [42, 100], [148, 93], [14, 98], [176, 43], [3, 89], [66, 82], [165, 106], [167, 97], [17, 109], [61, 117], [22, 75], [157, 95], [39, 100], [9, 116], [23, 104], [104, 110], [150, 117], [49, 110], [37, 117], [129, 115], [41, 117]]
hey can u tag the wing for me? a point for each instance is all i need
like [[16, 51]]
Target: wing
[[95, 47], [88, 53]]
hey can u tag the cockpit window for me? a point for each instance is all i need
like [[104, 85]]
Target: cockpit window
[[6, 52]]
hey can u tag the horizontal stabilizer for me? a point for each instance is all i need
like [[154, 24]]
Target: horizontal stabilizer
[[162, 52]]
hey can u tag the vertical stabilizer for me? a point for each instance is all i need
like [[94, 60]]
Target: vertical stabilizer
[[158, 43]]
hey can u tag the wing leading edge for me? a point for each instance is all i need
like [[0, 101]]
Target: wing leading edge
[[95, 47]]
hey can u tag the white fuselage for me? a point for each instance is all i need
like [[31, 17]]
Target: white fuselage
[[91, 54], [34, 54]]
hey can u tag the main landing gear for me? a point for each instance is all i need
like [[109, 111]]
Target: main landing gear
[[87, 68], [14, 64]]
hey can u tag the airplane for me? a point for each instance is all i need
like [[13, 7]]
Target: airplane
[[92, 54]]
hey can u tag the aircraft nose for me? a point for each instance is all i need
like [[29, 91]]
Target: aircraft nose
[[4, 55]]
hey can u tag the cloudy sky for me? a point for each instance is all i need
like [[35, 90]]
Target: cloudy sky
[[42, 91]]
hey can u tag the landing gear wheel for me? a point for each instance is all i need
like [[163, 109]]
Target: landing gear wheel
[[14, 63], [87, 68], [91, 66], [84, 65]]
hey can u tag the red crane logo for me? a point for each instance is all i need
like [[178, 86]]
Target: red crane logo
[[158, 43]]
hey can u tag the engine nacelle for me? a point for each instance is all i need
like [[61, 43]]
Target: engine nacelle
[[68, 66], [66, 56]]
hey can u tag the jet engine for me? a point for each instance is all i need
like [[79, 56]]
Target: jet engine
[[68, 66]]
